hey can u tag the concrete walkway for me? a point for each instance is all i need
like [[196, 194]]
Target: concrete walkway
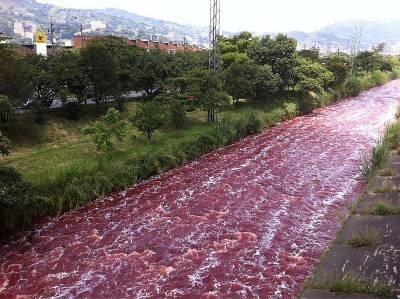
[[364, 260]]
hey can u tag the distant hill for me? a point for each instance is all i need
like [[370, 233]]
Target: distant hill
[[123, 23], [95, 21], [340, 34]]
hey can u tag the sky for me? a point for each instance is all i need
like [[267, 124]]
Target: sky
[[252, 15]]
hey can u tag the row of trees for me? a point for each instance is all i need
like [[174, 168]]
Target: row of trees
[[252, 67]]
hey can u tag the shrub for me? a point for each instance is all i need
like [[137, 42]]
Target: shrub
[[5, 109], [109, 129], [308, 104], [178, 114], [13, 192], [149, 118], [379, 78], [395, 74], [274, 117], [73, 110], [5, 145], [353, 86]]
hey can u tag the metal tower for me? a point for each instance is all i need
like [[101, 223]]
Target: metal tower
[[215, 30]]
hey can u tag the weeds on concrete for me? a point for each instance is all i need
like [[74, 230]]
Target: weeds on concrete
[[384, 209], [364, 238]]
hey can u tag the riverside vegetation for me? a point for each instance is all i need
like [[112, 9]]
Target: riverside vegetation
[[63, 158]]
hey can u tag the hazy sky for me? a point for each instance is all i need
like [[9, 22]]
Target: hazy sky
[[253, 15]]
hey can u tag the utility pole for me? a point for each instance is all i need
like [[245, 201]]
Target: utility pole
[[51, 32], [214, 54], [81, 31], [355, 47], [215, 31]]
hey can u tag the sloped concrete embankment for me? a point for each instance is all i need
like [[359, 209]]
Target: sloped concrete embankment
[[364, 260]]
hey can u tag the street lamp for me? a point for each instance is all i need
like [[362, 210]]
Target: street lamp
[[81, 30]]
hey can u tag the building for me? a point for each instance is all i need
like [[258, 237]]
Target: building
[[80, 42], [25, 29]]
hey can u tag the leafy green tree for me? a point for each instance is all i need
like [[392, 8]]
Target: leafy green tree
[[152, 69], [14, 79], [102, 69], [44, 82], [279, 53], [206, 87], [369, 61], [266, 82], [149, 117], [312, 53], [108, 130], [240, 81], [234, 57], [71, 73], [312, 75], [339, 65], [5, 145]]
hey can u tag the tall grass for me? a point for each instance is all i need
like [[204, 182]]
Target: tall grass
[[82, 182], [380, 152]]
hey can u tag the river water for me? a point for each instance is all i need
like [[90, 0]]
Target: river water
[[246, 221]]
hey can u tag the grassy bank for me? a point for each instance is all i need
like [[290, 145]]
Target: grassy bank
[[65, 171]]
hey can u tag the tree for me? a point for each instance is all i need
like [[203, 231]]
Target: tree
[[14, 80], [279, 53], [266, 82], [5, 145], [369, 61], [149, 118], [240, 81], [230, 58], [153, 68], [108, 130], [206, 87], [71, 73], [312, 53], [339, 65], [102, 69], [44, 82], [312, 75]]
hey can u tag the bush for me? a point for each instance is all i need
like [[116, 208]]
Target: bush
[[178, 114], [379, 78], [109, 129], [13, 191], [5, 145], [274, 117], [73, 110], [149, 118], [353, 86], [395, 74]]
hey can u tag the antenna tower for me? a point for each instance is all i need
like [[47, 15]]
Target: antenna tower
[[215, 30]]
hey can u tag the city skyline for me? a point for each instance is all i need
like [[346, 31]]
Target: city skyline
[[255, 15]]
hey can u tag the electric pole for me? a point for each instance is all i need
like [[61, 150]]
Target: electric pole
[[355, 46], [214, 55], [51, 32]]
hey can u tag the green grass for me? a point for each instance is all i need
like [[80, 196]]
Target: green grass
[[380, 153], [364, 238], [384, 209], [350, 284]]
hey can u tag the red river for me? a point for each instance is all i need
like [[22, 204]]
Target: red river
[[247, 221]]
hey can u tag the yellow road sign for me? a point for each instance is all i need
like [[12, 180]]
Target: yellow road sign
[[40, 37]]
